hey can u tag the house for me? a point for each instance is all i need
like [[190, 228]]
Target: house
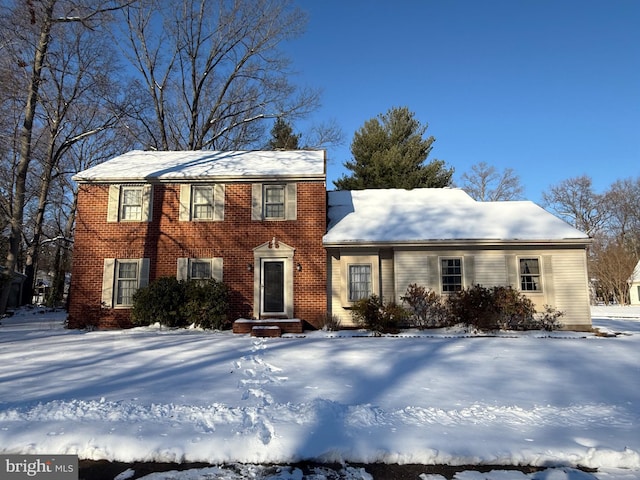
[[254, 220], [257, 220], [381, 241], [15, 293], [634, 286]]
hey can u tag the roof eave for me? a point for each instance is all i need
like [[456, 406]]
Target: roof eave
[[204, 179], [564, 242]]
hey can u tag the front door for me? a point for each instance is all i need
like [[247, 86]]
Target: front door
[[273, 287]]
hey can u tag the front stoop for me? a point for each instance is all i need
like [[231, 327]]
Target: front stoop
[[286, 325], [268, 331]]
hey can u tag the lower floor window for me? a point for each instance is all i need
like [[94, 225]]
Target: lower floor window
[[451, 271], [200, 270], [126, 282], [359, 282]]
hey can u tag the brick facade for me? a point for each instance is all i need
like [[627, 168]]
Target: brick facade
[[165, 239]]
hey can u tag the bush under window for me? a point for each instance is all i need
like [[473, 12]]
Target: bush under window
[[174, 303]]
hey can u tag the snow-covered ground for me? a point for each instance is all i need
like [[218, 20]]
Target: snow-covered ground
[[558, 400]]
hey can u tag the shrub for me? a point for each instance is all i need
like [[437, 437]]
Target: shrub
[[373, 314], [330, 323], [549, 319], [515, 311], [160, 302], [474, 306], [174, 303], [425, 308], [206, 304], [493, 308]]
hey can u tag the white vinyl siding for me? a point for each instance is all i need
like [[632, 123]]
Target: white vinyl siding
[[562, 276], [491, 270], [129, 203], [274, 201], [202, 202], [569, 288], [121, 278], [197, 269], [387, 287]]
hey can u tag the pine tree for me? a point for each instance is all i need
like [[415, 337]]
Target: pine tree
[[389, 151], [282, 136]]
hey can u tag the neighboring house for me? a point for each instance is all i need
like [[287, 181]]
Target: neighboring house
[[252, 219], [381, 241], [634, 286], [15, 294]]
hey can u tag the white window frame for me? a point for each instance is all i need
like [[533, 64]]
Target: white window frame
[[207, 204], [267, 204], [446, 274], [358, 258], [362, 293], [125, 206], [122, 284], [528, 278]]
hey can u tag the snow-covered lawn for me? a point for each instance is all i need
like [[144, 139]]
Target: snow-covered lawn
[[149, 394]]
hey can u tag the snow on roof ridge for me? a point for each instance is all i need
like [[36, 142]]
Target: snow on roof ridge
[[146, 165], [396, 215]]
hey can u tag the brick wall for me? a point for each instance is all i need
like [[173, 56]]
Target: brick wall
[[166, 239]]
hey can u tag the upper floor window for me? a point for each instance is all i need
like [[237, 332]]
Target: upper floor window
[[530, 275], [202, 198], [129, 203], [451, 272], [202, 202], [359, 282], [274, 201]]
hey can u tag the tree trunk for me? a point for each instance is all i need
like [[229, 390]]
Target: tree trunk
[[33, 251], [26, 134], [56, 292]]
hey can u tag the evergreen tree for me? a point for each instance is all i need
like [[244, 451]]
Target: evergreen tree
[[282, 136], [389, 151]]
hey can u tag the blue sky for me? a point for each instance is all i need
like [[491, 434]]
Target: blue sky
[[549, 88]]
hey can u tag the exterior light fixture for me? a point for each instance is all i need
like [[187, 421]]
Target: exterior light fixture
[[299, 267], [249, 267]]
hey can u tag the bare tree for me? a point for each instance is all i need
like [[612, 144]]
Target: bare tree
[[574, 201], [622, 202], [41, 22], [611, 266], [211, 71], [323, 135], [484, 183], [77, 102], [613, 220]]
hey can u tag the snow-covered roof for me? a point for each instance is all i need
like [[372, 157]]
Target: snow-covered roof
[[435, 215], [140, 165]]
